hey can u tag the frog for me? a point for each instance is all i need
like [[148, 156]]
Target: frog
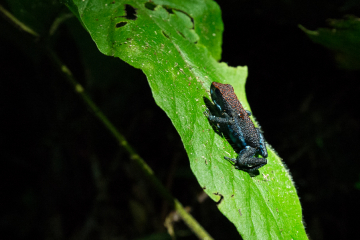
[[235, 121]]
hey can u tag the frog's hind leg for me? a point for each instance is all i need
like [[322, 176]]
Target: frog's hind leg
[[246, 161]]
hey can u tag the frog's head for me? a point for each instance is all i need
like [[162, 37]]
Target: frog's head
[[219, 93]]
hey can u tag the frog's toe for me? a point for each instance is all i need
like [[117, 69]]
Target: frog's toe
[[207, 113], [230, 159]]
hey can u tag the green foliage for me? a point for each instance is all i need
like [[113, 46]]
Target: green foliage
[[343, 39], [176, 44]]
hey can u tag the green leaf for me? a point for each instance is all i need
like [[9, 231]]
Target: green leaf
[[343, 39], [176, 44]]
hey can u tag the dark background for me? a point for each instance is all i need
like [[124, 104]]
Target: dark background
[[65, 177]]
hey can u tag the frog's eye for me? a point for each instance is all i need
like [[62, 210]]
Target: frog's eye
[[217, 91]]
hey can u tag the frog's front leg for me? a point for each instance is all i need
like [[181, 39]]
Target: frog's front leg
[[247, 160], [226, 120]]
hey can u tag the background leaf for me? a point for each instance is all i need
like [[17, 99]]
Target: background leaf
[[180, 66], [343, 39]]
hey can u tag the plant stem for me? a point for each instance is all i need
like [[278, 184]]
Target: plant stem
[[146, 170], [17, 22]]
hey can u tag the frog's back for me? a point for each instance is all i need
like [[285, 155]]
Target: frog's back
[[234, 108]]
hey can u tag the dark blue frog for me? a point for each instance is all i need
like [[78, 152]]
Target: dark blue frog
[[235, 121]]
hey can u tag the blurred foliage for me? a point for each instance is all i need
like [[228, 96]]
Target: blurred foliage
[[343, 38]]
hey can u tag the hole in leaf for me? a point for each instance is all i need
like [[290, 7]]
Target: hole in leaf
[[165, 34], [221, 198], [168, 9], [150, 5], [130, 12], [121, 24], [181, 34], [192, 20]]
